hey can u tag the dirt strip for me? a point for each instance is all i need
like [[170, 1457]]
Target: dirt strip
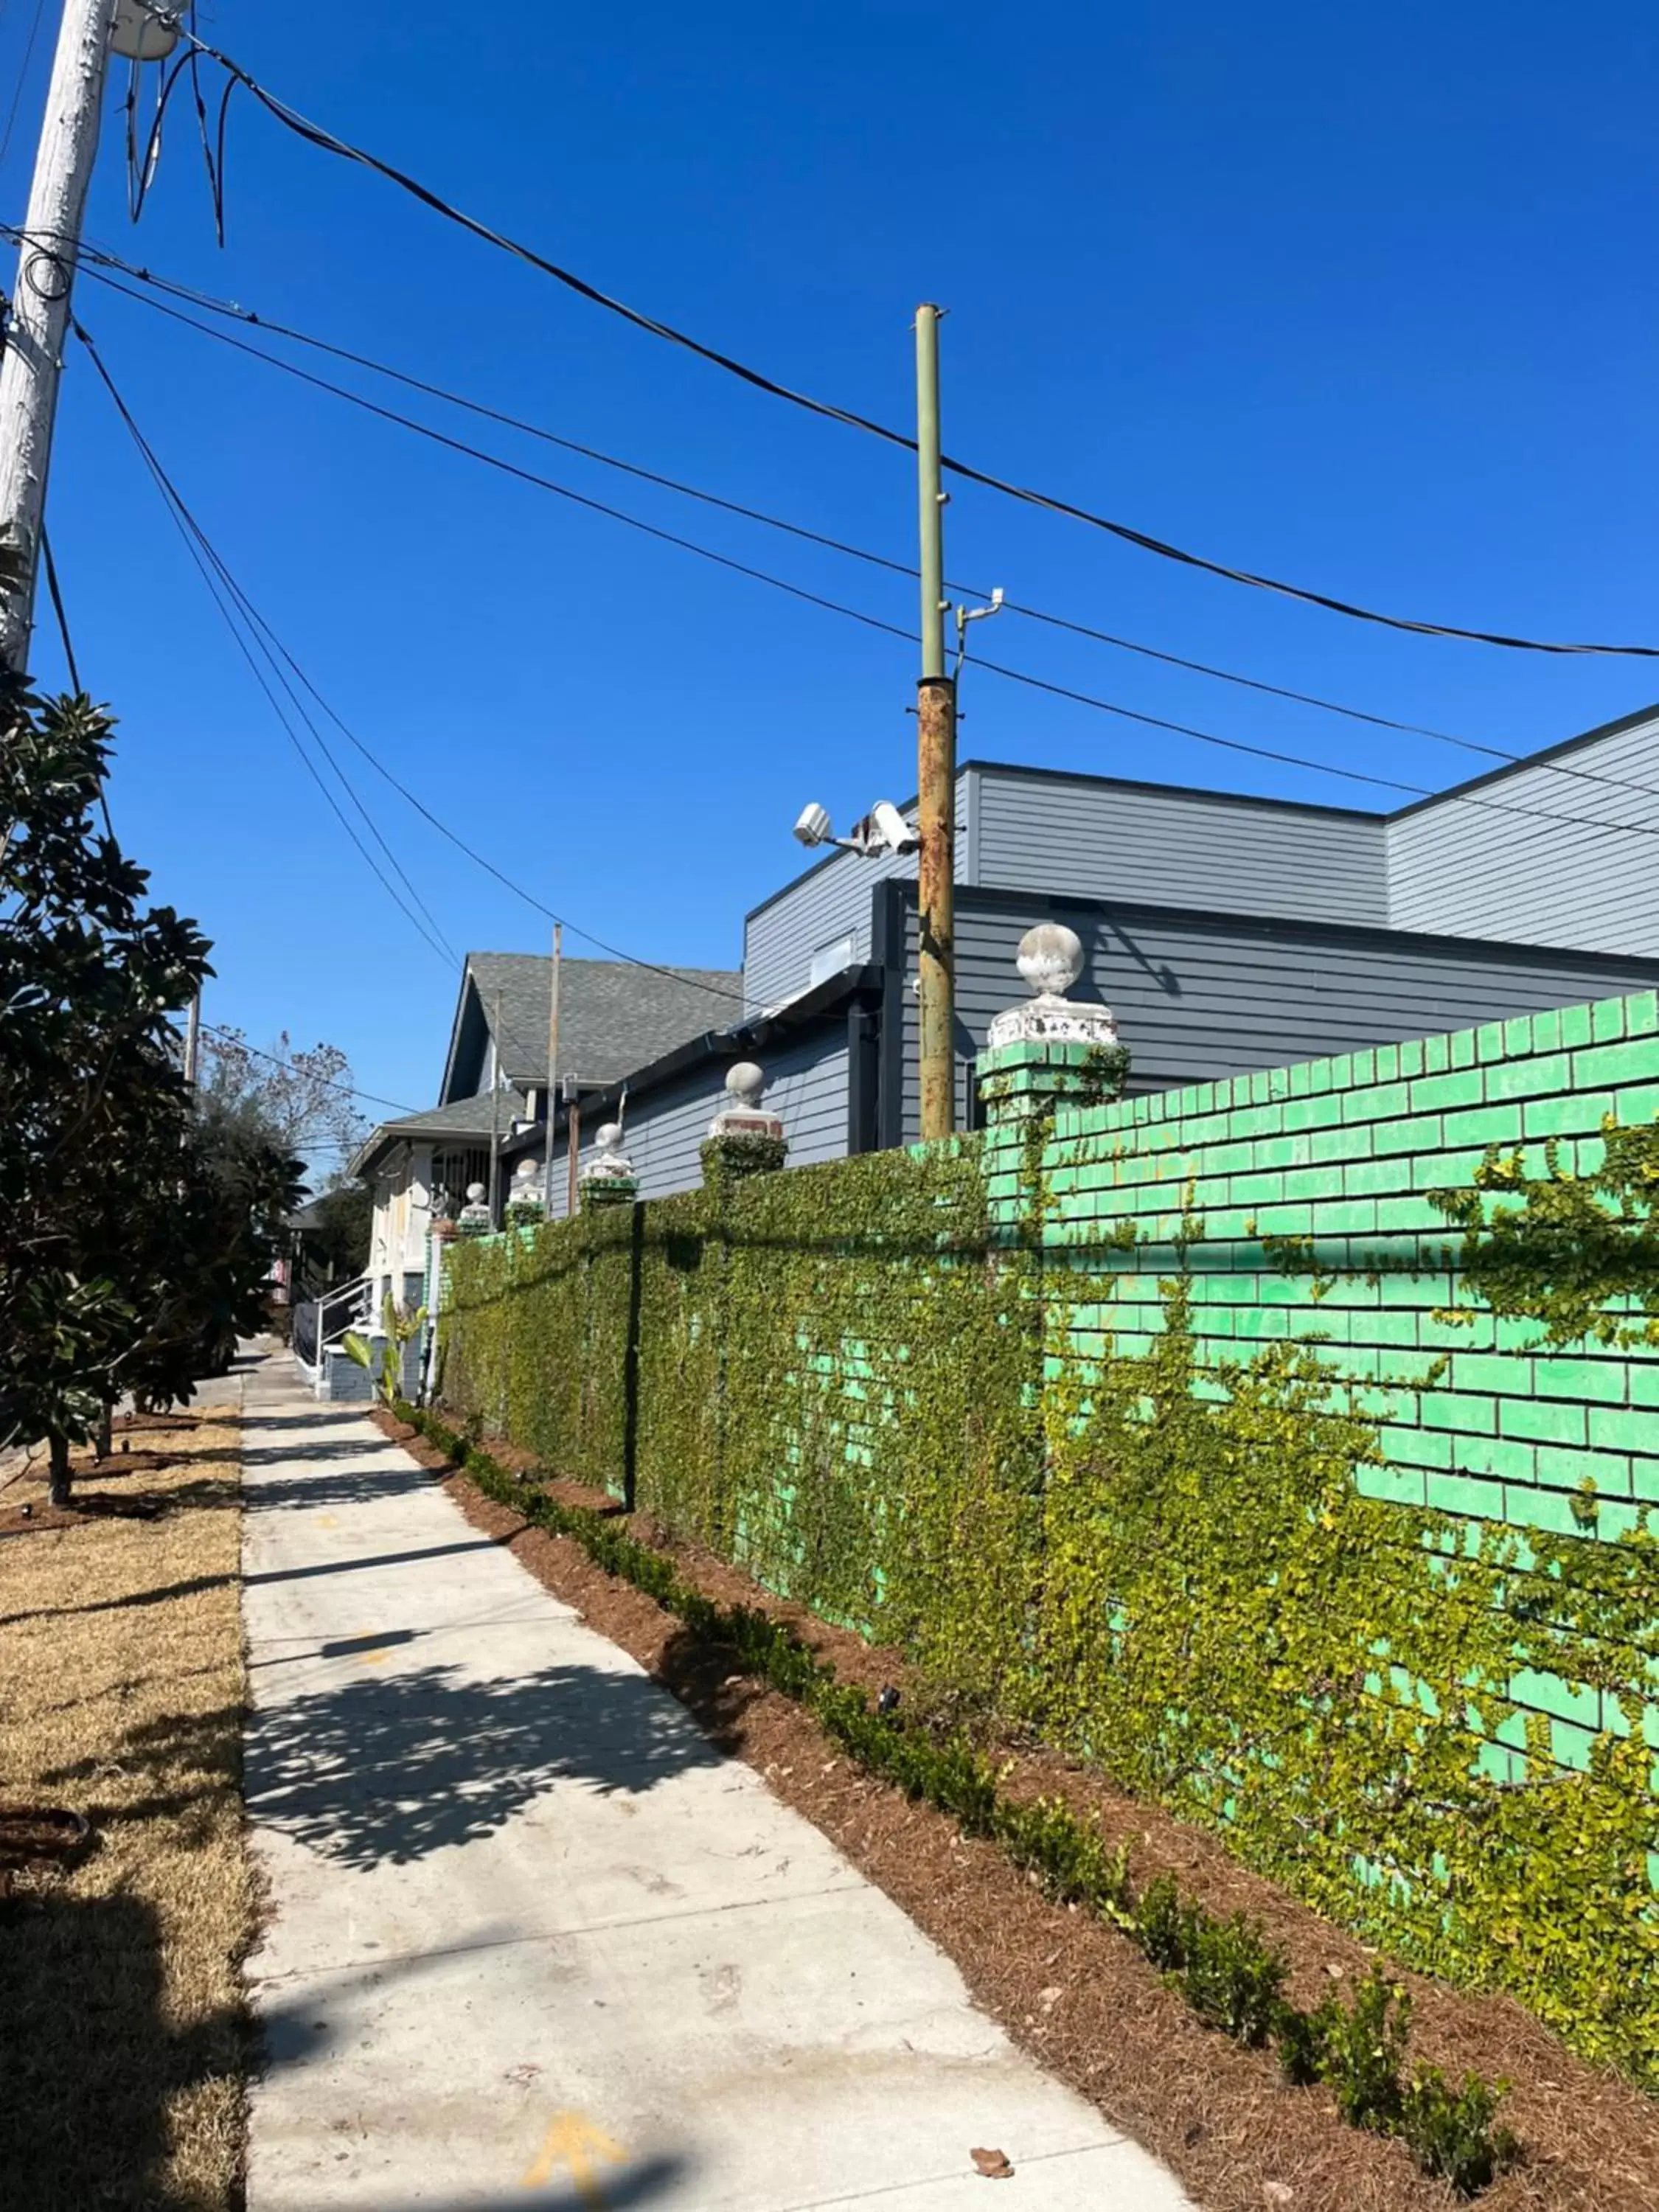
[[1080, 1996]]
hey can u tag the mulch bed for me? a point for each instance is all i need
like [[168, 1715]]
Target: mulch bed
[[36, 1515], [37, 1844], [1076, 1994]]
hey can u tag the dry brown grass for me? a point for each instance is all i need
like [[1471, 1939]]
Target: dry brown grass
[[122, 2037]]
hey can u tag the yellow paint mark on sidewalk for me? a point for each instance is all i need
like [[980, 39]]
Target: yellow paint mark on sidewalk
[[575, 2142]]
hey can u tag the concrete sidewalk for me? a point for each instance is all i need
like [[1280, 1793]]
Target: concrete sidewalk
[[534, 1942]]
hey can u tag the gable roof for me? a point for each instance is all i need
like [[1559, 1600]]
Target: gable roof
[[614, 1015], [461, 1117]]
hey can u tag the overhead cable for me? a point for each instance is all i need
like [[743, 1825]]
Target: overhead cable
[[195, 537], [55, 592], [1136, 715], [314, 134], [268, 327], [216, 1029], [183, 522], [99, 262]]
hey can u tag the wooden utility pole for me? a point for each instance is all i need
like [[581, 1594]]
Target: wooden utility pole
[[40, 305], [551, 1114], [573, 1142], [496, 1117], [936, 764]]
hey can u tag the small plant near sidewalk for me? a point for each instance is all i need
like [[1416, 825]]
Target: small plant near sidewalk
[[400, 1325], [1227, 1970]]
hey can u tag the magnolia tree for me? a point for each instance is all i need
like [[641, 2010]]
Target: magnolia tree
[[135, 1232]]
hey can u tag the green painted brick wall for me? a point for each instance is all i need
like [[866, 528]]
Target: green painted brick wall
[[1511, 1430], [1344, 1151]]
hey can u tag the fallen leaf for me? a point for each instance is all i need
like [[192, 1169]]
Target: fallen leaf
[[1049, 1998], [993, 2164], [1277, 2192]]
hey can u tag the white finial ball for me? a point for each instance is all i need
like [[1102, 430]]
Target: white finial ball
[[1051, 957], [526, 1171], [744, 1083], [607, 1136], [475, 1193]]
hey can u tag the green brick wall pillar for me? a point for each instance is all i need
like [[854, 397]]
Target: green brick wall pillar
[[1016, 1081]]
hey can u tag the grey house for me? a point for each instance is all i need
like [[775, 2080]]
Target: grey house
[[1228, 934], [612, 1016]]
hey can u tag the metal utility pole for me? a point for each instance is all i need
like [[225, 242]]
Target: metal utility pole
[[193, 1043], [39, 309], [550, 1111], [936, 769]]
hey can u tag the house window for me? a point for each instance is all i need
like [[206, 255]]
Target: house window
[[829, 959]]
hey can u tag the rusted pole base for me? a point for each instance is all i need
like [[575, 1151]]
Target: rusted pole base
[[936, 709]]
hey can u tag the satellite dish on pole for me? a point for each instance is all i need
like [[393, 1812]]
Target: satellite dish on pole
[[141, 34]]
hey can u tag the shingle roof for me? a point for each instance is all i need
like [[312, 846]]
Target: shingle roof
[[464, 1117], [613, 1015]]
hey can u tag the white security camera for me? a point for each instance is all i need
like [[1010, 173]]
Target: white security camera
[[888, 827], [814, 826]]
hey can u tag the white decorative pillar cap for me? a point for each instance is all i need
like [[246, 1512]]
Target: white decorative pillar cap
[[1050, 958], [610, 1163], [475, 1214], [741, 1116]]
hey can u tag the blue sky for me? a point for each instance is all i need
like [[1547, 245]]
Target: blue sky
[[1362, 298]]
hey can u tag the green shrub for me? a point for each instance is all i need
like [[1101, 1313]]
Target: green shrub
[[1365, 2048], [1234, 1980], [1303, 2038], [1450, 2130]]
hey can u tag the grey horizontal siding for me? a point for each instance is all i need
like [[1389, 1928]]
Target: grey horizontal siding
[[1089, 840], [1485, 866], [1196, 999], [835, 900], [806, 1085]]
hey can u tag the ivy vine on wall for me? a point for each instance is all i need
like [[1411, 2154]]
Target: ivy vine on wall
[[847, 1380]]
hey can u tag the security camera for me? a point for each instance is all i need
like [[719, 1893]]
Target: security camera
[[814, 826], [888, 828]]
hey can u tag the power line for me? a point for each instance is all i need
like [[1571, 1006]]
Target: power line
[[234, 1036], [267, 325], [54, 592], [1278, 754], [314, 134], [183, 522], [22, 78], [775, 522], [524, 476], [186, 520]]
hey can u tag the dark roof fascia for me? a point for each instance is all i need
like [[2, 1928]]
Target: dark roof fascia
[[1542, 758], [813, 1005], [468, 989], [1044, 906]]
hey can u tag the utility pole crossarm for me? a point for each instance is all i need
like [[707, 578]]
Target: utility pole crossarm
[[33, 365]]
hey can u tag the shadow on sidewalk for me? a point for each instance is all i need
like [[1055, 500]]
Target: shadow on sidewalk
[[391, 1767]]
